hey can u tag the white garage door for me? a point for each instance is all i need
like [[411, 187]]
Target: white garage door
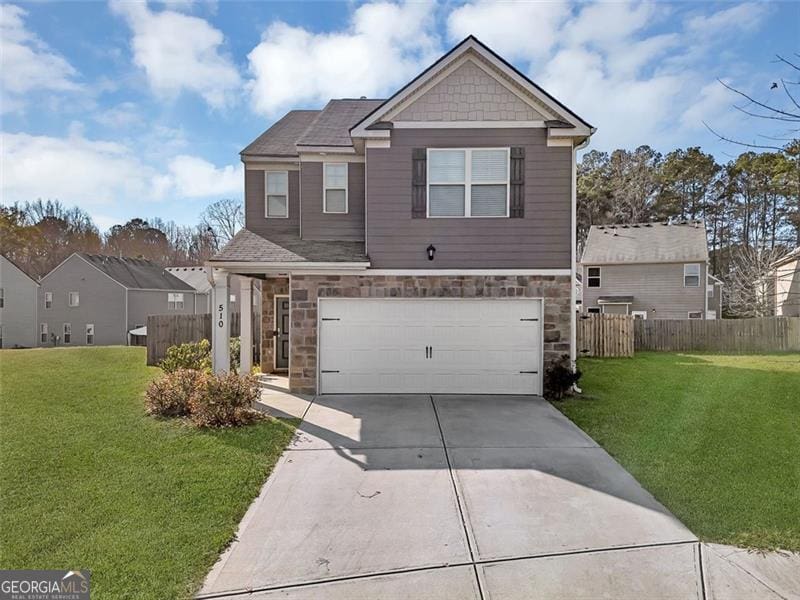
[[458, 346]]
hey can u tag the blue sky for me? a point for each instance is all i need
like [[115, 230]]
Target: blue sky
[[140, 109]]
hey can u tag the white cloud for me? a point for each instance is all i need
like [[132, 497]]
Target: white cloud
[[384, 47], [86, 172], [180, 52], [123, 115], [27, 64], [195, 177], [741, 17], [513, 29]]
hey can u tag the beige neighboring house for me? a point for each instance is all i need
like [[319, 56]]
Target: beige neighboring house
[[650, 271], [18, 293], [787, 285]]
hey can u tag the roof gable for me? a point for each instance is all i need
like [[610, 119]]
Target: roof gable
[[646, 243], [497, 68], [14, 265]]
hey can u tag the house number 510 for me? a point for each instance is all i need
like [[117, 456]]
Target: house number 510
[[221, 322]]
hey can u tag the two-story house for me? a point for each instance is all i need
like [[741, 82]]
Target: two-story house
[[422, 243], [18, 293], [97, 300], [649, 270]]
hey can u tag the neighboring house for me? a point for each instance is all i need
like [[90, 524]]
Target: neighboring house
[[97, 300], [786, 276], [422, 243], [650, 271], [18, 292]]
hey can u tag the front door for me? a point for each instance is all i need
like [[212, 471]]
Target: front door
[[281, 333]]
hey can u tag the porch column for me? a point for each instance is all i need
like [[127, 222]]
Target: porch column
[[220, 321], [246, 322]]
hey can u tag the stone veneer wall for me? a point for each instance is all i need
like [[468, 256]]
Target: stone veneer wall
[[269, 289], [306, 289]]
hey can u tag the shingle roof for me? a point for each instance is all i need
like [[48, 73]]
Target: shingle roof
[[332, 125], [135, 273], [646, 243], [247, 246], [194, 276], [280, 139]]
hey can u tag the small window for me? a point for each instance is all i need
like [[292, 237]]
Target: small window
[[277, 196], [43, 333], [73, 299], [335, 175], [174, 301], [593, 310], [233, 298], [710, 291], [639, 314], [468, 182], [89, 334], [67, 333], [691, 275], [593, 277], [48, 299], [2, 298], [695, 314]]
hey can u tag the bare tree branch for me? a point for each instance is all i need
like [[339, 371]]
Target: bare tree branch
[[757, 103], [726, 139]]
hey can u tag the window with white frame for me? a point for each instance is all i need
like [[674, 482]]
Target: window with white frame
[[691, 275], [593, 277], [695, 314], [335, 187], [174, 301], [73, 299], [67, 333], [468, 182], [48, 299], [710, 291], [639, 314], [89, 334], [276, 184], [593, 310], [43, 332]]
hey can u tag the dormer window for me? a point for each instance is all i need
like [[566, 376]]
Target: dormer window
[[276, 203], [335, 188]]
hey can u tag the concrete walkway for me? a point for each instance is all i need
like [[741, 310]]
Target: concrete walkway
[[463, 497]]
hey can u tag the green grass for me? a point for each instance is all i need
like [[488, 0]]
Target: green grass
[[88, 481], [716, 438]]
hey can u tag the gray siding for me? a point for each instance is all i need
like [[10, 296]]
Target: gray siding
[[142, 303], [539, 240], [318, 225], [653, 286], [18, 314], [255, 220], [102, 302]]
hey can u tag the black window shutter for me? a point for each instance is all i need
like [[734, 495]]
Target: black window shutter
[[419, 170], [517, 202]]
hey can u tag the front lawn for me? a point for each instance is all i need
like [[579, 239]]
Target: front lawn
[[716, 438], [88, 481]]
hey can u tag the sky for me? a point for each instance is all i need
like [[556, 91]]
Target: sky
[[140, 109]]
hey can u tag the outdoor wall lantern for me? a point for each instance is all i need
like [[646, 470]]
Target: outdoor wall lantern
[[431, 250]]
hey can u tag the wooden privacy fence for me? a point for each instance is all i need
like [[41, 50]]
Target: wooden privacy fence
[[605, 335], [764, 334], [164, 331]]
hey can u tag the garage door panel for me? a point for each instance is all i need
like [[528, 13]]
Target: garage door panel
[[478, 346]]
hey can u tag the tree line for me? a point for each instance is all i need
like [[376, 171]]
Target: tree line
[[39, 235]]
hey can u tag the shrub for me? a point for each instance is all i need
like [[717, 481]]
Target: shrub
[[193, 355], [174, 394], [559, 378], [226, 400], [235, 348]]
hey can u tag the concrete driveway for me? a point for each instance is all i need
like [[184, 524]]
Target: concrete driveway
[[453, 497]]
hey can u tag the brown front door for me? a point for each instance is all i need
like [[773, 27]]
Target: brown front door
[[282, 334]]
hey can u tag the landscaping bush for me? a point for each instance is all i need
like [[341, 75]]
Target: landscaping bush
[[174, 394], [559, 378], [226, 400], [192, 355], [235, 348]]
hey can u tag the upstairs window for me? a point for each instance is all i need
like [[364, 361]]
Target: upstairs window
[[67, 333], [174, 301], [73, 299], [89, 334], [48, 299], [277, 196], [335, 177], [43, 332], [691, 275], [469, 182], [593, 277]]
